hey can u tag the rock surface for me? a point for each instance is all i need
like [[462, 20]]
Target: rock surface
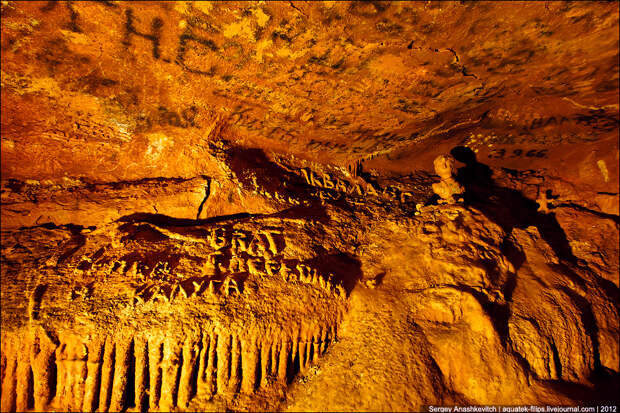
[[233, 205]]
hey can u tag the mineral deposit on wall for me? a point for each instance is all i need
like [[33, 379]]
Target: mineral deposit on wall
[[309, 206]]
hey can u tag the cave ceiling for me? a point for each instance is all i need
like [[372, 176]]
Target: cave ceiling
[[331, 82], [300, 205]]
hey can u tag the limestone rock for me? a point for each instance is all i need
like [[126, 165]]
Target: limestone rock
[[230, 206]]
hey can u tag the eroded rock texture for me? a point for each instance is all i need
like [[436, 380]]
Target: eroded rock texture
[[308, 206]]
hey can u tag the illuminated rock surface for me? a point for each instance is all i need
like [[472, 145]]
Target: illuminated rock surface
[[233, 206]]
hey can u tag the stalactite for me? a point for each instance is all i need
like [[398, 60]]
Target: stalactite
[[324, 339], [283, 361], [223, 360], [315, 345], [235, 366], [24, 375], [141, 373], [155, 357], [308, 344], [42, 359], [265, 358], [93, 375], [203, 360], [275, 350], [9, 383], [63, 394], [190, 356], [249, 362], [210, 364], [78, 369], [119, 382], [294, 353], [301, 348], [107, 374], [170, 371]]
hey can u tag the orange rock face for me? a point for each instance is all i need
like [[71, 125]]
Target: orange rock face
[[308, 206]]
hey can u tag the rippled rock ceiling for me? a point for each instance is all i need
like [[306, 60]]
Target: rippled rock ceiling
[[229, 206]]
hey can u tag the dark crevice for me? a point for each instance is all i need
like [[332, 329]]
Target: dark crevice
[[556, 359], [53, 376], [95, 186], [107, 397], [214, 366], [98, 375], [297, 8], [193, 376], [599, 214], [67, 227], [177, 379], [207, 193], [143, 403], [454, 53], [259, 368], [229, 366], [605, 389], [292, 363], [155, 389], [37, 296], [130, 390], [30, 387]]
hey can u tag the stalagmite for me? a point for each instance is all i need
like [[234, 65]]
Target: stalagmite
[[119, 382], [107, 374]]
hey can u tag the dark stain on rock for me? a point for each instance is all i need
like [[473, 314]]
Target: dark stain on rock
[[368, 8]]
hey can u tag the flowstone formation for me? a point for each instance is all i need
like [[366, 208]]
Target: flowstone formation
[[308, 206]]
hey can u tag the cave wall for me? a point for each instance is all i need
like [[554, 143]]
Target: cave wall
[[215, 194]]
